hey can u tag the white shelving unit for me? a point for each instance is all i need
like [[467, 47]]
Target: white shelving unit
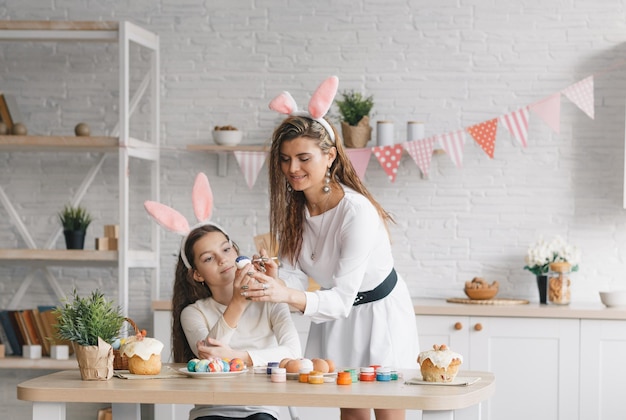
[[120, 143]]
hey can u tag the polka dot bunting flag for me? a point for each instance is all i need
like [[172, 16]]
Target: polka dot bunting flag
[[389, 159], [485, 135]]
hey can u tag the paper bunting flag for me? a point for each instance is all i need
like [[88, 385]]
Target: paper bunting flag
[[360, 158], [485, 135], [549, 110], [250, 163], [452, 144], [422, 152], [581, 94], [517, 124], [389, 158]]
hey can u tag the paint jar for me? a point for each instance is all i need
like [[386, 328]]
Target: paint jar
[[279, 374], [367, 374], [316, 377], [344, 378], [383, 374], [394, 375], [303, 376], [354, 374], [271, 365]]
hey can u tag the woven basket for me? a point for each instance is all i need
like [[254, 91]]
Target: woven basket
[[120, 361]]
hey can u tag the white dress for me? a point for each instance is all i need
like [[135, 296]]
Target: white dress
[[353, 254]]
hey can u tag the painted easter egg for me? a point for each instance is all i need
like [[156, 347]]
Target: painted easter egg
[[191, 365], [202, 365], [236, 365]]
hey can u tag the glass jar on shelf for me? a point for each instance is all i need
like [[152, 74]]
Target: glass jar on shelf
[[559, 283]]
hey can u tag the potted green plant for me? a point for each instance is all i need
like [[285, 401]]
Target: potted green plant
[[75, 220], [91, 324], [354, 110]]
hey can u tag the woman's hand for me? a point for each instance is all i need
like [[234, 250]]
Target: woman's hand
[[266, 264]]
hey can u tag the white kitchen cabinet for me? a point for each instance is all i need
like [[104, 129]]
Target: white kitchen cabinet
[[535, 361], [602, 372]]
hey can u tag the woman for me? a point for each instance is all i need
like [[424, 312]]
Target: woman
[[329, 227], [210, 317]]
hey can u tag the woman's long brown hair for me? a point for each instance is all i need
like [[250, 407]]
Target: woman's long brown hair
[[287, 207], [187, 291]]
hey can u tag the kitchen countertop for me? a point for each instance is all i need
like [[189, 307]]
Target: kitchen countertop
[[530, 310]]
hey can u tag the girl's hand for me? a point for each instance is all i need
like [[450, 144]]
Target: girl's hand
[[211, 347], [242, 279]]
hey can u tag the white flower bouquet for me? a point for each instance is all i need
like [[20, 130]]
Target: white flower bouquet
[[542, 253]]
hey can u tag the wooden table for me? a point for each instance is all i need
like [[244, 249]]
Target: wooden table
[[50, 393]]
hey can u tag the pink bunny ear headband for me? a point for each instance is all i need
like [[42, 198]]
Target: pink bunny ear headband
[[170, 219], [319, 104]]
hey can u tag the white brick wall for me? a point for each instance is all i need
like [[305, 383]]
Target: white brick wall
[[450, 64]]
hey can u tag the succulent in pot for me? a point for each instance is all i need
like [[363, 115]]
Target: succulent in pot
[[75, 220]]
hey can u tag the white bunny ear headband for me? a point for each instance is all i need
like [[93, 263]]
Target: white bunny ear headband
[[170, 219], [319, 104]]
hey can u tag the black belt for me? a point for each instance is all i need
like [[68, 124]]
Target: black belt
[[379, 292]]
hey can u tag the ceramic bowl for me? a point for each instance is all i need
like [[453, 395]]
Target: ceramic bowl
[[483, 293], [227, 137], [614, 299]]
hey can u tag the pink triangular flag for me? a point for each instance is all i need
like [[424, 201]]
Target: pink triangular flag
[[549, 110], [359, 158], [422, 152], [453, 144], [581, 94], [517, 124], [389, 158], [250, 163], [484, 134]]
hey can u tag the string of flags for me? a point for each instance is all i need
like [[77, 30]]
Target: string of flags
[[484, 134]]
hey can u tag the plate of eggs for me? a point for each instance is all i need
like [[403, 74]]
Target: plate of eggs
[[214, 368]]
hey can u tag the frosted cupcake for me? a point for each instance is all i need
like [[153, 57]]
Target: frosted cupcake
[[440, 364]]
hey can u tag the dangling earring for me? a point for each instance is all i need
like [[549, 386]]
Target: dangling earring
[[289, 187], [326, 187]]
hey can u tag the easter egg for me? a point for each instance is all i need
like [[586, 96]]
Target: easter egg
[[236, 365], [191, 365], [116, 344], [215, 365], [202, 365], [242, 261], [226, 364]]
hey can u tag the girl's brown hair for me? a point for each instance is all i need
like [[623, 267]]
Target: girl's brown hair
[[187, 291], [287, 207]]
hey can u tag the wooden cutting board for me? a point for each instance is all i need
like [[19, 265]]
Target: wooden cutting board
[[497, 301]]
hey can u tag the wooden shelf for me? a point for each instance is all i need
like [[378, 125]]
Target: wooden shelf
[[58, 143], [218, 148], [60, 256], [17, 362]]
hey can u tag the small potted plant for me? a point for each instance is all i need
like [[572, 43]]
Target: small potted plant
[[355, 123], [75, 220], [91, 324]]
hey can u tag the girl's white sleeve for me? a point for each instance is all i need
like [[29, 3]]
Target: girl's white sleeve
[[196, 324]]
